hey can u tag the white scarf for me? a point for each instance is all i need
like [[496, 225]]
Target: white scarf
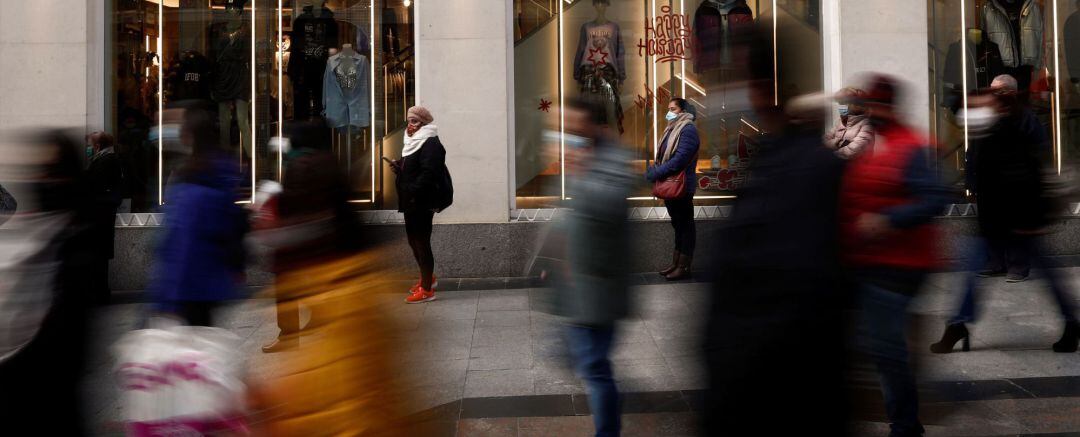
[[413, 142]]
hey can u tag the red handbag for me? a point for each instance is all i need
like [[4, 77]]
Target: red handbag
[[674, 186]]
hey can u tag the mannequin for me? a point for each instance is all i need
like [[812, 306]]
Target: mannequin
[[1016, 26], [281, 64], [600, 63], [983, 63], [314, 33], [232, 76], [347, 89]]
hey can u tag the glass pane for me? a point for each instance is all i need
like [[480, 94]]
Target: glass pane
[[975, 41], [633, 57], [259, 65]]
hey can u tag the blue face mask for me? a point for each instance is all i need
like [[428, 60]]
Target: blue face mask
[[671, 116], [843, 110]]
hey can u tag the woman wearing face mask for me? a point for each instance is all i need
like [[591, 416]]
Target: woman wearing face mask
[[420, 175], [677, 152], [853, 135]]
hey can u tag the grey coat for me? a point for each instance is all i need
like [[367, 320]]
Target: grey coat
[[1016, 50], [594, 289]]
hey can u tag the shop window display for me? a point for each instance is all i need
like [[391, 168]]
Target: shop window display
[[260, 65], [1035, 41], [632, 56]]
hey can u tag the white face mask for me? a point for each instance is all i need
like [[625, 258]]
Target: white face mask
[[576, 141], [671, 116], [978, 120]]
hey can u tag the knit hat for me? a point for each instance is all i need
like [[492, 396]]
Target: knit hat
[[422, 113]]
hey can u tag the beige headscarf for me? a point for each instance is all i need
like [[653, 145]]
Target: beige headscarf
[[673, 132]]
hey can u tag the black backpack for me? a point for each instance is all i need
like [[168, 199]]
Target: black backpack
[[444, 191]]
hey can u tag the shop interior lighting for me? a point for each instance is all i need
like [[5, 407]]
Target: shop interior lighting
[[251, 139], [371, 67], [687, 82], [1057, 92], [682, 62], [161, 106], [963, 67], [775, 65], [280, 90], [562, 116]]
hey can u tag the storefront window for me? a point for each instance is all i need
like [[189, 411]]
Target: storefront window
[[259, 65], [1035, 41], [633, 56]]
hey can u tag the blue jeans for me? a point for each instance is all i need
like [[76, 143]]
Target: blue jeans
[[882, 336], [589, 348], [1032, 245]]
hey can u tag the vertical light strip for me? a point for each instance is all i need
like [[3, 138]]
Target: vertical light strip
[[251, 139], [963, 67], [562, 116], [775, 66], [655, 86], [1056, 113], [682, 62], [371, 113], [280, 91], [161, 104]]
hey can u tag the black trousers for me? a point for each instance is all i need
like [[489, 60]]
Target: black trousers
[[418, 229], [681, 211], [198, 313]]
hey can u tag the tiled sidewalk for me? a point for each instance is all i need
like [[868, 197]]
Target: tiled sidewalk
[[497, 343]]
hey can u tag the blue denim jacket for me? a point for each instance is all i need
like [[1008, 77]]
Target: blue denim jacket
[[347, 98]]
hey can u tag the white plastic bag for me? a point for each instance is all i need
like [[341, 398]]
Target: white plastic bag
[[183, 380]]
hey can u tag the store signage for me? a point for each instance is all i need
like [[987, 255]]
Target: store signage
[[667, 37]]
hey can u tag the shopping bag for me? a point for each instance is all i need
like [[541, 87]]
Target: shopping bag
[[182, 380]]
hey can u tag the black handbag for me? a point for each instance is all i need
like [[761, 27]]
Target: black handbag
[[444, 191]]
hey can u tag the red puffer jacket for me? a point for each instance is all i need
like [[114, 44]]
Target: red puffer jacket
[[873, 184]]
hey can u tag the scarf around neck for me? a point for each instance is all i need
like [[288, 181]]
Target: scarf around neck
[[672, 133], [415, 141]]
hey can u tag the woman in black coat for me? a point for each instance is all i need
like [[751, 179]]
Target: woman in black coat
[[422, 184]]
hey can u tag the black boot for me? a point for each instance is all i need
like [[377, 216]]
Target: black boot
[[953, 333], [674, 265], [1069, 339], [683, 269]]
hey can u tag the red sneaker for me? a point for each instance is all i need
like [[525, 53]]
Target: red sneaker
[[416, 286], [420, 296]]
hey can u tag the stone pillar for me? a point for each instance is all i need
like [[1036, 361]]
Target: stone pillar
[[886, 36], [464, 76], [43, 63]]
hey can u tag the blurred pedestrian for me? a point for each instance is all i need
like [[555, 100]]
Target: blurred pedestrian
[[313, 199], [853, 135], [105, 179], [200, 256], [1007, 176], [423, 188], [593, 294], [8, 205], [887, 204], [677, 157], [777, 294], [46, 253]]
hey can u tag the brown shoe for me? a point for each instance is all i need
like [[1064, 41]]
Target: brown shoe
[[674, 265], [683, 270], [280, 344]]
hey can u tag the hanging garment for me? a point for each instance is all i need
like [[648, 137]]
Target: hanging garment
[[312, 38], [600, 44], [983, 65], [347, 91], [714, 28], [1000, 25], [190, 77], [601, 85], [232, 73], [1072, 46]]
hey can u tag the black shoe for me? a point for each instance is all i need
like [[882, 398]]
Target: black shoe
[[990, 273], [1069, 339], [953, 333]]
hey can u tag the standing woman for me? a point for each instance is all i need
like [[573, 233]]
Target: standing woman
[[421, 181], [678, 153], [854, 135]]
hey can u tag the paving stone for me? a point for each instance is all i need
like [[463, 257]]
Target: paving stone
[[497, 427], [502, 318], [488, 383], [504, 300]]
